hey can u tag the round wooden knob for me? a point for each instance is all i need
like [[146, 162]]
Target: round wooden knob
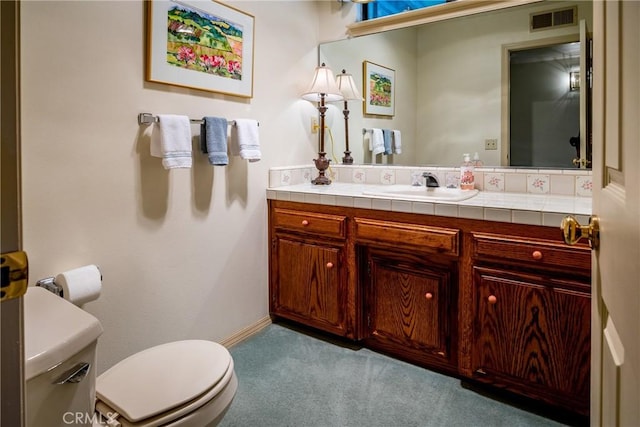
[[536, 255], [329, 265], [492, 299], [428, 295], [305, 222]]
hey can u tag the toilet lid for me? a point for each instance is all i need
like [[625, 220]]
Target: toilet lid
[[161, 378]]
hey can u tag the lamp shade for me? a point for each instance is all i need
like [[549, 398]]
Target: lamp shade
[[323, 83], [348, 87]]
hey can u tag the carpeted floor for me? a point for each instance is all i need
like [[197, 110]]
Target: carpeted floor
[[287, 378]]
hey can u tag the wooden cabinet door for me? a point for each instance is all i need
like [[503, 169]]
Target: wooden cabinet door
[[408, 307], [532, 335], [309, 283]]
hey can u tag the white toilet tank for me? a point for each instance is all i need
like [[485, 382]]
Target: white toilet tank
[[60, 369]]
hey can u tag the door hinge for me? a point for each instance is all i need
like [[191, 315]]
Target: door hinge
[[14, 267]]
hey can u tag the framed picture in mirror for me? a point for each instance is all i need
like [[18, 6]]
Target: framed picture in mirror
[[379, 89]]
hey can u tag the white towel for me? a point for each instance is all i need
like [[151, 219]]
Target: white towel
[[172, 141], [376, 143], [245, 141], [397, 142]]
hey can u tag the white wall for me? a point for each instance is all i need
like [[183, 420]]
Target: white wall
[[546, 115], [183, 252], [460, 68], [395, 50]]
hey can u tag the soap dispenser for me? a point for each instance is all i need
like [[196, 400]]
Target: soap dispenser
[[476, 160], [467, 181]]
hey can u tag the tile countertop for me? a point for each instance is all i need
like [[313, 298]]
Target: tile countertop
[[521, 208]]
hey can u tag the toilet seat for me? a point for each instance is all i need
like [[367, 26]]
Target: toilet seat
[[163, 383]]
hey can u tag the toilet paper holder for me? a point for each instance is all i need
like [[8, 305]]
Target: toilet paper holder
[[49, 283]]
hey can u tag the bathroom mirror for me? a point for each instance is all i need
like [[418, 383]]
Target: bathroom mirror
[[480, 83]]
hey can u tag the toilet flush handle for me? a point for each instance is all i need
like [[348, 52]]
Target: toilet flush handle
[[75, 374]]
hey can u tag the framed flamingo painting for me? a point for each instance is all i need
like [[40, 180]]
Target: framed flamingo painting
[[200, 44], [379, 89]]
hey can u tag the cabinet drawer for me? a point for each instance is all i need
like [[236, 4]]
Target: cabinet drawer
[[413, 236], [310, 222], [539, 252]]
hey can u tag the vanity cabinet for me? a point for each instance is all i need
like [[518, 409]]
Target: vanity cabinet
[[501, 304], [308, 270], [410, 307], [531, 311], [409, 284]]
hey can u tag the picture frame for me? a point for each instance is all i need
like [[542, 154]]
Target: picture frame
[[200, 44], [379, 89]]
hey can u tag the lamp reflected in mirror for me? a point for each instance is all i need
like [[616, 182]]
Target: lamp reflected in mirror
[[349, 90], [446, 110], [323, 89]]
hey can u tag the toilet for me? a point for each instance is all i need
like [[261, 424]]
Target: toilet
[[188, 383]]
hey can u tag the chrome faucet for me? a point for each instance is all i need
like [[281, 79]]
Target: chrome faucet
[[431, 180]]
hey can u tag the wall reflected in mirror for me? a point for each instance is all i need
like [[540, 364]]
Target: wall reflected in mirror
[[452, 89], [544, 110]]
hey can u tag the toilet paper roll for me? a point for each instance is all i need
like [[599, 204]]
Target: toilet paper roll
[[80, 285]]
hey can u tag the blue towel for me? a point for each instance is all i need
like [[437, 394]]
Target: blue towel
[[386, 134], [213, 140]]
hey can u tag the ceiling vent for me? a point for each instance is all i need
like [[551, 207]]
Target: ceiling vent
[[553, 19]]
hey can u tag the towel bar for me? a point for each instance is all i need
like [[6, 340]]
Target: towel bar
[[148, 119]]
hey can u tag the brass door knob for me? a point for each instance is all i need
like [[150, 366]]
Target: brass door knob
[[573, 231]]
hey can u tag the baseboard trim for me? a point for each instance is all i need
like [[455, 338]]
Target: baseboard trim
[[245, 333]]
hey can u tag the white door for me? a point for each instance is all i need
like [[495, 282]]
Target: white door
[[615, 388], [585, 94]]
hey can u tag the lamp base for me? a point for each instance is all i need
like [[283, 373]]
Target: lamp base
[[322, 164], [347, 159]]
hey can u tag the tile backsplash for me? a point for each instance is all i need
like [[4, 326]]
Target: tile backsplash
[[567, 182]]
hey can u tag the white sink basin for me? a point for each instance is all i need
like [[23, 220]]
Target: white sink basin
[[422, 193]]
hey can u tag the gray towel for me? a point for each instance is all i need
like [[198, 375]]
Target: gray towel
[[213, 140], [386, 134]]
